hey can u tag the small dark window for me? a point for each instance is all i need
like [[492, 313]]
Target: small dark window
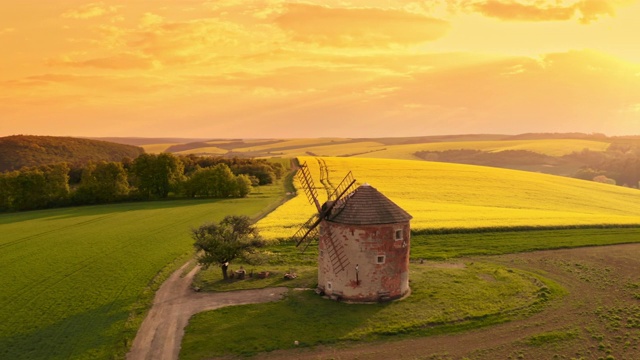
[[328, 286], [399, 234], [380, 259]]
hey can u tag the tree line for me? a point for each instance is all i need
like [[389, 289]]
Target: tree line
[[618, 165], [147, 177]]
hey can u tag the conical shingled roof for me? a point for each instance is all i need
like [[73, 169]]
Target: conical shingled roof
[[367, 206]]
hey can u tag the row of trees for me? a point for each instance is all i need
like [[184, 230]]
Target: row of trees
[[147, 177], [620, 165]]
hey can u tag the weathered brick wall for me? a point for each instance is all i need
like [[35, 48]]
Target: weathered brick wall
[[362, 246]]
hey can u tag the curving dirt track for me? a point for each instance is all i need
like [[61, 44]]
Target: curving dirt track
[[599, 317], [160, 335]]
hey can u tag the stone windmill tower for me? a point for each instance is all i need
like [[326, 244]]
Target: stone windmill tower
[[363, 240]]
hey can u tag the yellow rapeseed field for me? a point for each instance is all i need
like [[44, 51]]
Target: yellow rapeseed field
[[211, 150], [345, 149], [156, 148], [289, 143], [442, 195]]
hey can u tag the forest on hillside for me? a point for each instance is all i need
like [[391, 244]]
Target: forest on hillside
[[18, 151], [147, 177], [618, 165]]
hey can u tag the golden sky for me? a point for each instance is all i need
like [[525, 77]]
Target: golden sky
[[362, 68]]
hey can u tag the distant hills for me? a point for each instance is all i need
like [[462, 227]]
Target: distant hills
[[139, 141], [597, 157], [610, 159], [18, 151]]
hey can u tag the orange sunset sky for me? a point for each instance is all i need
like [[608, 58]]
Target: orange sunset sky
[[271, 68]]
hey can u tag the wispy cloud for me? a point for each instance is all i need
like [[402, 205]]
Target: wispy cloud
[[585, 11], [358, 27], [124, 61], [89, 11], [6, 31]]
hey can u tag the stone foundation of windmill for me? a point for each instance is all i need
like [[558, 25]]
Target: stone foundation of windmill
[[364, 248]]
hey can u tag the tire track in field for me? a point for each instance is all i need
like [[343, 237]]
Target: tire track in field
[[40, 288], [324, 177], [35, 236], [113, 300], [44, 282], [132, 278]]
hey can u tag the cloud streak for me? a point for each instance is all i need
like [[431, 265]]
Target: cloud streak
[[124, 61], [360, 68], [88, 11], [585, 10], [358, 27]]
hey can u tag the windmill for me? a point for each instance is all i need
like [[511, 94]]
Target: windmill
[[309, 230], [363, 240]]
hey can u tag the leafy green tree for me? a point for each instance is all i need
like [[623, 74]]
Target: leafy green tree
[[234, 237], [157, 175], [36, 188], [102, 182], [242, 186], [263, 171], [7, 190], [29, 189], [217, 181], [57, 183]]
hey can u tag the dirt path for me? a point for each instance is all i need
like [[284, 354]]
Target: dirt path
[[160, 336]]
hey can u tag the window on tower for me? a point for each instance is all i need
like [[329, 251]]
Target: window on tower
[[399, 234], [380, 259]]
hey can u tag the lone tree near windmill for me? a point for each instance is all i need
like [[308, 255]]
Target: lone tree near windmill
[[220, 243], [363, 241]]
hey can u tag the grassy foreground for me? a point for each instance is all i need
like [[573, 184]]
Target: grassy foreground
[[443, 294], [76, 282], [444, 298]]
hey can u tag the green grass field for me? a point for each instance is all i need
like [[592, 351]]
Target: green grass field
[[455, 196], [442, 294], [468, 295], [76, 282]]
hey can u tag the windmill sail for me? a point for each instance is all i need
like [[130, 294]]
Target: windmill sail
[[304, 175], [335, 250], [308, 231], [338, 197], [345, 185]]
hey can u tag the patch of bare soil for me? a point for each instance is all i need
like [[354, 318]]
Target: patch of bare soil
[[599, 317], [160, 335]]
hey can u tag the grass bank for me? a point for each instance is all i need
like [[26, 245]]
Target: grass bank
[[76, 282], [444, 298]]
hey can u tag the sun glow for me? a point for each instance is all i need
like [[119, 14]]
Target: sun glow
[[279, 68]]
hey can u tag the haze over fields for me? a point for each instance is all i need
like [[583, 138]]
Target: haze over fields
[[284, 69]]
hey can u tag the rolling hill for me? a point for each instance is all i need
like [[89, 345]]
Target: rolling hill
[[456, 196], [401, 147], [24, 150], [584, 156]]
